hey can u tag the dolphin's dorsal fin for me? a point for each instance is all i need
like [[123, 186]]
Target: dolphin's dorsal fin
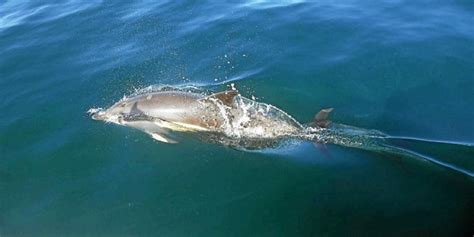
[[226, 97], [135, 111], [137, 114], [321, 118]]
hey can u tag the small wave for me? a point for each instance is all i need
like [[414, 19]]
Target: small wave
[[432, 140], [264, 4], [411, 153], [140, 9], [200, 22], [455, 155]]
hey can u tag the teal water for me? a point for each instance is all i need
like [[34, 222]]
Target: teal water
[[402, 67]]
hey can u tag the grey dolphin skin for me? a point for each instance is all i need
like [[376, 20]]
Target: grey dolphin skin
[[226, 114]]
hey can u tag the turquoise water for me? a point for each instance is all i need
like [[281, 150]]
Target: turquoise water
[[402, 67]]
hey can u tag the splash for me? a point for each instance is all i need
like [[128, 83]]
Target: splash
[[92, 111], [248, 119], [164, 87]]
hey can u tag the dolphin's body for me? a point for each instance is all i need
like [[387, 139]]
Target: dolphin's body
[[226, 116]]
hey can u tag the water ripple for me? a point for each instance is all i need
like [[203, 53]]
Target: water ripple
[[265, 4], [15, 13]]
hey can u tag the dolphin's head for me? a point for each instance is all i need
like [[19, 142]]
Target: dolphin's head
[[115, 113]]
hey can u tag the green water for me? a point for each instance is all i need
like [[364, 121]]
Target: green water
[[399, 67]]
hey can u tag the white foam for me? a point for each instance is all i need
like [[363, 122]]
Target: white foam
[[246, 118], [95, 110]]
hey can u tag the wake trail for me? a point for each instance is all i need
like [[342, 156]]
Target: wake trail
[[410, 153], [373, 140]]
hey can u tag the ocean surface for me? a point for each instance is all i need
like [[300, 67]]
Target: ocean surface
[[405, 68]]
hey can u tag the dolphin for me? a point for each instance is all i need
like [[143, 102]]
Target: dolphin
[[226, 117], [230, 119]]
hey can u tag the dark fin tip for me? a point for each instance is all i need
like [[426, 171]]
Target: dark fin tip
[[321, 118]]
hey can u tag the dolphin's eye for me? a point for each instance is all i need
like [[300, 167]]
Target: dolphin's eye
[[123, 105]]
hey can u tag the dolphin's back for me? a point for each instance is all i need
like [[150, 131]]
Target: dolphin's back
[[166, 105]]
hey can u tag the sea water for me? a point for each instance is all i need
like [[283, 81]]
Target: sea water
[[404, 68]]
